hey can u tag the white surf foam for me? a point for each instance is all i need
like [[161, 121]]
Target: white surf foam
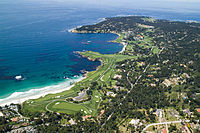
[[20, 97]]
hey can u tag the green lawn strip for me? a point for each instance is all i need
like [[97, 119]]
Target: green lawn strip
[[54, 96], [94, 103], [31, 109], [66, 107], [109, 61], [119, 39], [129, 48], [107, 68], [108, 75], [155, 50], [40, 103]]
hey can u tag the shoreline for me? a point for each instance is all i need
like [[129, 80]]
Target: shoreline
[[20, 97], [98, 21], [122, 43], [73, 30], [124, 48]]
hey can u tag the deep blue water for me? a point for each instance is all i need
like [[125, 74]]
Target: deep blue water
[[35, 42]]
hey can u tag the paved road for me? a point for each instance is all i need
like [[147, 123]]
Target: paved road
[[162, 123], [60, 99], [132, 85], [105, 71]]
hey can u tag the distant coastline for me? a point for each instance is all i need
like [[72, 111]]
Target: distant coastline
[[73, 30]]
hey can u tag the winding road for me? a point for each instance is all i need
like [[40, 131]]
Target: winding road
[[162, 123]]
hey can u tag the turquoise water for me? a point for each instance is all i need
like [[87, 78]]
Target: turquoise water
[[35, 42]]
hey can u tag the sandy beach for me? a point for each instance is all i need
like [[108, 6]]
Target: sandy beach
[[20, 97], [123, 48]]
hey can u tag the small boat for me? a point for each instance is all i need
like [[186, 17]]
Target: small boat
[[86, 43], [19, 77], [65, 77], [75, 76]]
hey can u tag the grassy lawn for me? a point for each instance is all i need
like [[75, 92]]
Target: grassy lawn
[[57, 103], [119, 39], [38, 105], [155, 50], [103, 75], [88, 108], [66, 107]]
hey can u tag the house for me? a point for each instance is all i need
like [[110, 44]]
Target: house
[[141, 63], [134, 122], [86, 117], [15, 119], [174, 113], [116, 88], [24, 124], [156, 79], [140, 37], [119, 70], [187, 111], [150, 76], [1, 114], [117, 76], [159, 112], [185, 75], [101, 113], [153, 85], [109, 93], [171, 81], [72, 122], [165, 61], [183, 65], [164, 130]]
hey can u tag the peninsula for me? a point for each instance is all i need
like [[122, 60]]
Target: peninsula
[[151, 85]]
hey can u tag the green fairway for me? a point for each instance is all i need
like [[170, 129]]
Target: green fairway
[[39, 105], [57, 102], [103, 75], [66, 107]]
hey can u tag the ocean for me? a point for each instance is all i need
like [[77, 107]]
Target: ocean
[[35, 41]]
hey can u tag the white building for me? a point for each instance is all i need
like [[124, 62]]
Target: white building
[[134, 122], [1, 114]]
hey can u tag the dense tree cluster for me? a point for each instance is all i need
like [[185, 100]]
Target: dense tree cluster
[[180, 56]]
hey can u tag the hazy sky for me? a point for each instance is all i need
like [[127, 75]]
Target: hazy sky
[[170, 5]]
